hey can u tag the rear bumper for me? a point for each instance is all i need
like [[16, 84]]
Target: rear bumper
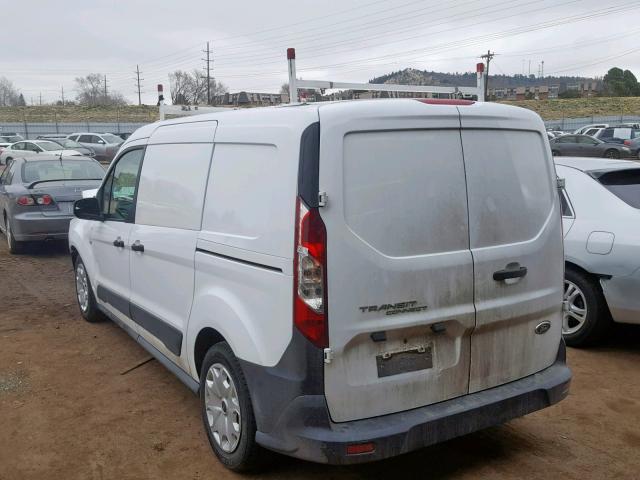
[[304, 429], [35, 227]]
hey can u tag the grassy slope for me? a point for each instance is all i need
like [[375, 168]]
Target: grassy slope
[[547, 109], [48, 113], [581, 107]]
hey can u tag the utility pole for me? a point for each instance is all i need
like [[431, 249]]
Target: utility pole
[[62, 90], [488, 57], [105, 89], [40, 98], [542, 69], [138, 82], [209, 60], [529, 67]]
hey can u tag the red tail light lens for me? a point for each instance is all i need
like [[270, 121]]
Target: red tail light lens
[[310, 275], [25, 200], [44, 199], [627, 142]]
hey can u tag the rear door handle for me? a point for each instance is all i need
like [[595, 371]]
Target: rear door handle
[[512, 271], [118, 242], [137, 246]]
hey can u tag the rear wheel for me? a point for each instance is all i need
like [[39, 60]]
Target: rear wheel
[[227, 412], [84, 294], [612, 154], [15, 247], [586, 318]]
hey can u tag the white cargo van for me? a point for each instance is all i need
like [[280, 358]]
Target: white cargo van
[[340, 282]]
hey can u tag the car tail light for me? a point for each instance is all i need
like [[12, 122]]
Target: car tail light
[[25, 200], [627, 142], [30, 200], [310, 275]]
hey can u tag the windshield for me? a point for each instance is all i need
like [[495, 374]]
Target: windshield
[[66, 143], [624, 184], [111, 138], [48, 146], [65, 170]]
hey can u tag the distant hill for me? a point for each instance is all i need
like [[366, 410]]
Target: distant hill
[[411, 76]]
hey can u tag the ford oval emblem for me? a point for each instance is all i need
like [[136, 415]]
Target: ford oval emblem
[[543, 327]]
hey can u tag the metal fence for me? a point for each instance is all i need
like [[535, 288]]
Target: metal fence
[[571, 124], [32, 130]]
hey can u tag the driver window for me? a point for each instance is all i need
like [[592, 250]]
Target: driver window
[[119, 191]]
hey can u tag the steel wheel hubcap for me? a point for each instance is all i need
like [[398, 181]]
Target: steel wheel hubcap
[[82, 287], [574, 317], [222, 407]]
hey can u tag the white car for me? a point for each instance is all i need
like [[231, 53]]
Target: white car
[[340, 282], [28, 148], [583, 130], [601, 218]]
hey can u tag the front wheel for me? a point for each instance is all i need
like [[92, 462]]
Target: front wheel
[[227, 412], [84, 294], [586, 318], [612, 154]]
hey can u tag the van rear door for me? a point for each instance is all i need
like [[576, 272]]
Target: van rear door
[[516, 241], [399, 268]]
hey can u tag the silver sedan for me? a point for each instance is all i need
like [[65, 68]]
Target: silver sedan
[[601, 222]]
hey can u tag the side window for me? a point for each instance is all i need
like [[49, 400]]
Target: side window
[[9, 172], [567, 139], [73, 137], [96, 139], [86, 139], [567, 211], [5, 174], [591, 131], [607, 133], [18, 146], [119, 189], [169, 196]]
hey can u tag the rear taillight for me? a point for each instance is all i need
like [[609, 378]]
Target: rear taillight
[[310, 276], [627, 142], [29, 200]]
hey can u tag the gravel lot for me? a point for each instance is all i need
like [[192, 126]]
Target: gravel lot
[[68, 410]]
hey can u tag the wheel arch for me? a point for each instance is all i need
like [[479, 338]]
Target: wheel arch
[[207, 337]]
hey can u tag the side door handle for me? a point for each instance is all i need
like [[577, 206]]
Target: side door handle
[[118, 242], [513, 270], [137, 246]]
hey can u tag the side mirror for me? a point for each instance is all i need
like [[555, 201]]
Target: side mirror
[[88, 209], [100, 142]]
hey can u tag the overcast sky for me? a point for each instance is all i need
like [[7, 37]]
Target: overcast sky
[[46, 44]]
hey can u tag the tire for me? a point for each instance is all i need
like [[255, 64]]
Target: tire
[[228, 404], [611, 153], [15, 247], [555, 153], [84, 294], [582, 291]]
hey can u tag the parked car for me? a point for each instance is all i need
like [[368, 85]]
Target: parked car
[[617, 134], [601, 209], [11, 138], [105, 145], [37, 196], [4, 145], [583, 130], [29, 148], [71, 145], [337, 297], [586, 146]]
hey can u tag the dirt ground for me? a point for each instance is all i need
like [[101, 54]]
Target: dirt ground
[[68, 410]]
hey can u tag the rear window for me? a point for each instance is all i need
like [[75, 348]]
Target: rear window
[[65, 170], [624, 184]]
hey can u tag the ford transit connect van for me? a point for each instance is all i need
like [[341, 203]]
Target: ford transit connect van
[[339, 282]]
